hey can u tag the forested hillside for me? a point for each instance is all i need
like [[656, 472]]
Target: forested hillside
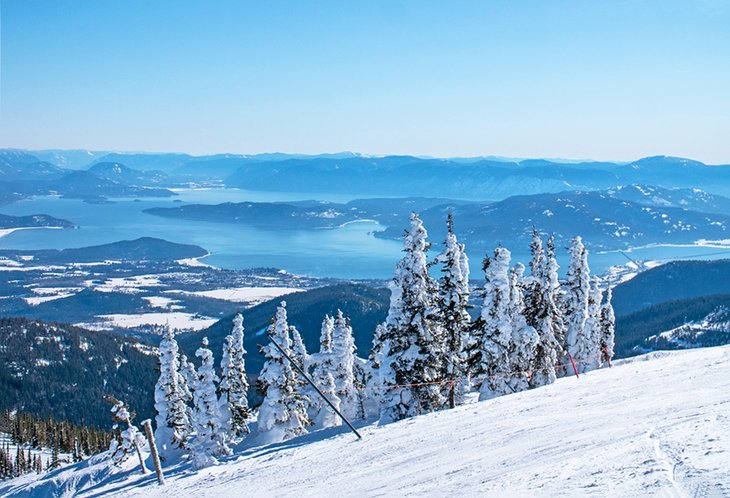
[[62, 371]]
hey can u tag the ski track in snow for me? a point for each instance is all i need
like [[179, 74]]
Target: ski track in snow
[[656, 425]]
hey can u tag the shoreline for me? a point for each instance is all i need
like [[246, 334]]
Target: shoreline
[[4, 232]]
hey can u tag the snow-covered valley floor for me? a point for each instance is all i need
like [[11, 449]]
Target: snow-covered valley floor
[[654, 425]]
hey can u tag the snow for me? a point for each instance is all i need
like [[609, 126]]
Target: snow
[[652, 425], [249, 295], [194, 262], [6, 441], [163, 302], [46, 294], [176, 320], [128, 285], [4, 232]]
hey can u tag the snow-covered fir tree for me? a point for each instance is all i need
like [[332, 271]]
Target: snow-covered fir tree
[[576, 297], [542, 313], [187, 381], [283, 412], [210, 439], [173, 414], [298, 349], [325, 337], [370, 378], [607, 327], [411, 346], [524, 336], [322, 415], [593, 326], [452, 304], [131, 441], [490, 356], [341, 367], [233, 387]]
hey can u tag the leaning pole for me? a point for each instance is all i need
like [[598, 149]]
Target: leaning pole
[[306, 377]]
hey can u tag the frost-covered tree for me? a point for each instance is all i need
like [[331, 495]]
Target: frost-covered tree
[[322, 415], [524, 336], [130, 439], [173, 414], [341, 367], [325, 337], [187, 381], [453, 303], [233, 387], [576, 297], [543, 313], [411, 346], [210, 439], [593, 327], [299, 351], [283, 412], [607, 327], [493, 330]]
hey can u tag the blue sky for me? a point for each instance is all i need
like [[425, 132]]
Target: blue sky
[[595, 79]]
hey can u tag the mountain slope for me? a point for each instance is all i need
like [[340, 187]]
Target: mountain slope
[[604, 221], [120, 173], [614, 432], [672, 281], [63, 371]]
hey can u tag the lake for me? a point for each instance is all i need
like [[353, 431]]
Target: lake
[[350, 251]]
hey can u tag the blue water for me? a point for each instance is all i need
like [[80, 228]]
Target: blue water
[[347, 252]]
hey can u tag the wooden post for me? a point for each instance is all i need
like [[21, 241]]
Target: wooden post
[[452, 395], [147, 424], [575, 369]]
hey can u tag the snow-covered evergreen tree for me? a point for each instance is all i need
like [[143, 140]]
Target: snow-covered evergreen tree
[[234, 383], [593, 327], [342, 367], [493, 331], [322, 415], [524, 336], [131, 441], [298, 349], [577, 293], [411, 346], [607, 327], [453, 303], [173, 414], [542, 313], [187, 381], [283, 413], [325, 338], [210, 439]]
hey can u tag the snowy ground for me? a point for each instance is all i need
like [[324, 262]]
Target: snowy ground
[[177, 320], [656, 425], [249, 295]]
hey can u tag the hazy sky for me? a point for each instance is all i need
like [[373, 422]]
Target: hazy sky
[[602, 79]]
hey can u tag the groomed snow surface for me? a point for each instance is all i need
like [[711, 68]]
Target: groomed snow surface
[[656, 425]]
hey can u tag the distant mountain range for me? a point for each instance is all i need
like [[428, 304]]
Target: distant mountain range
[[410, 176], [23, 175]]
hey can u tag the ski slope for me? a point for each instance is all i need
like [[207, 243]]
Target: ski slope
[[656, 425]]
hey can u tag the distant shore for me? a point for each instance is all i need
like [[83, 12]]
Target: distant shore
[[7, 231]]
